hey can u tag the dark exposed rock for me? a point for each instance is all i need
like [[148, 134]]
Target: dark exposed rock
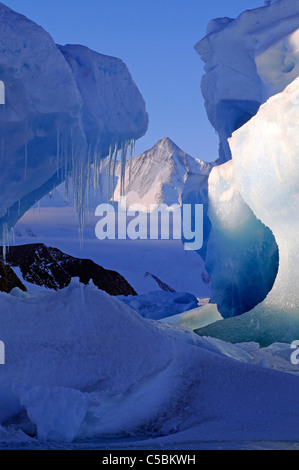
[[8, 279], [160, 283], [50, 267]]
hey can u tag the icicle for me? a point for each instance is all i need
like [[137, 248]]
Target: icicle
[[109, 172], [26, 160], [80, 166], [13, 235], [96, 166], [123, 157], [2, 148], [2, 130], [100, 170], [58, 150], [66, 189], [88, 176], [114, 166], [4, 240], [132, 152]]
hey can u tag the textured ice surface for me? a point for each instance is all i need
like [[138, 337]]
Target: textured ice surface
[[76, 338], [57, 412], [266, 168], [65, 107], [242, 256]]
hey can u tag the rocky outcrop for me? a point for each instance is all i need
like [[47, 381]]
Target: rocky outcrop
[[50, 267], [9, 280]]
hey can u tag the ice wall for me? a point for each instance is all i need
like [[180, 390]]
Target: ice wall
[[266, 170], [65, 108], [270, 142]]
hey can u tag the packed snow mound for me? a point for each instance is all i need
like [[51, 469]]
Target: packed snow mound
[[242, 256], [82, 364], [160, 304], [51, 124], [76, 338], [266, 170], [264, 61]]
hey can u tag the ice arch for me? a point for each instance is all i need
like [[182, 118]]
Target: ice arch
[[266, 167], [240, 249], [266, 171]]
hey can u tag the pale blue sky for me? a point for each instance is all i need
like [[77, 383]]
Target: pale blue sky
[[155, 38]]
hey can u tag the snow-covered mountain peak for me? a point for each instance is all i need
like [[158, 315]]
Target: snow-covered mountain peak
[[167, 144], [158, 175]]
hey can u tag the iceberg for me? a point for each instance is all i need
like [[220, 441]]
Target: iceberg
[[242, 259], [66, 107], [269, 143]]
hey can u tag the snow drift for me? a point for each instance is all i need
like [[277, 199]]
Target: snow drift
[[81, 364]]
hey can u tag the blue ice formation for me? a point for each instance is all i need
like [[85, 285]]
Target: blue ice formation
[[269, 142], [247, 61]]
